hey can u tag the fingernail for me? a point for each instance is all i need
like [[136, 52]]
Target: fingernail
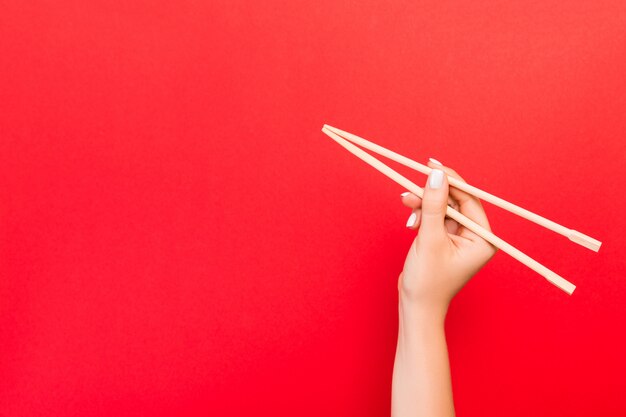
[[412, 220], [404, 194], [435, 180], [434, 161]]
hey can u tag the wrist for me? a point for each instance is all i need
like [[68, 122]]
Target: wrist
[[431, 309]]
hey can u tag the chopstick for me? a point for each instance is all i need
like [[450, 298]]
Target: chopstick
[[549, 275], [573, 235]]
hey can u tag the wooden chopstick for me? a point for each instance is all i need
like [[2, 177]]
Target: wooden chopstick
[[571, 234], [551, 276]]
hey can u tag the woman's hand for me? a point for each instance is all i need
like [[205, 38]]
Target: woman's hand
[[444, 255], [442, 258]]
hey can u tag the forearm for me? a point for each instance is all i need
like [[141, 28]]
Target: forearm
[[421, 374]]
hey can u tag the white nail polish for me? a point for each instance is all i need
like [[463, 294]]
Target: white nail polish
[[434, 161], [435, 180], [412, 220], [404, 194]]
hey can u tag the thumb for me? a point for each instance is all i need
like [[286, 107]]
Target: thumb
[[434, 204]]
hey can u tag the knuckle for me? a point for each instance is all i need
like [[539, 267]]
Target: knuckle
[[433, 209]]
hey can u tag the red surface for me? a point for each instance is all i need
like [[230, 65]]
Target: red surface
[[177, 237]]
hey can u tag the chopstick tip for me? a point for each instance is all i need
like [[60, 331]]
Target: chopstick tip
[[584, 240]]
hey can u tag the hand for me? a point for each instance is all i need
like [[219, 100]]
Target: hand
[[444, 255]]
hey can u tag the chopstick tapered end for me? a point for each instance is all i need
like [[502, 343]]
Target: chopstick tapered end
[[334, 136], [329, 130], [584, 240], [340, 132]]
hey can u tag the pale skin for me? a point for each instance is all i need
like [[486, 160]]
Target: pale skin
[[442, 259]]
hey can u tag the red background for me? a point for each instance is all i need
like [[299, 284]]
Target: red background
[[177, 237]]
